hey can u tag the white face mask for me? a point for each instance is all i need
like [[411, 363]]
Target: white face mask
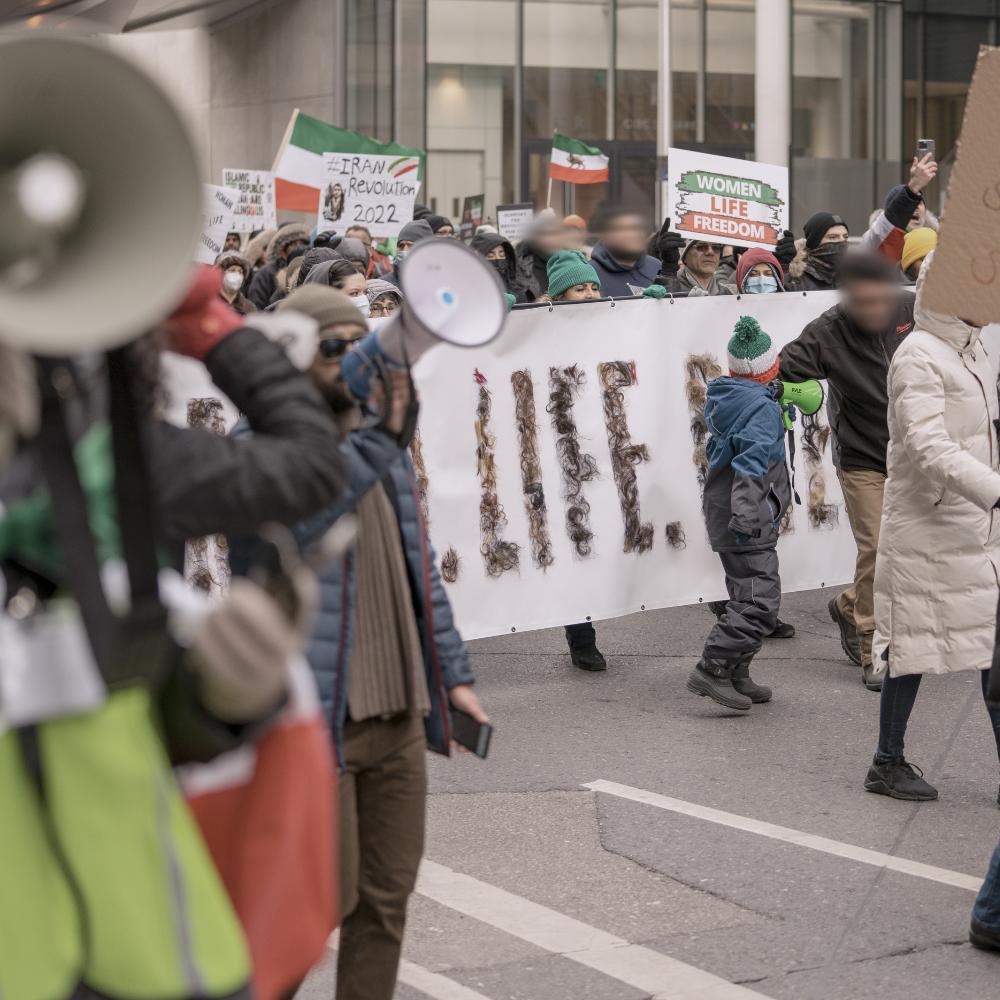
[[233, 280], [361, 301]]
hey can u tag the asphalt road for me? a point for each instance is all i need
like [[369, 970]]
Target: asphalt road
[[720, 858]]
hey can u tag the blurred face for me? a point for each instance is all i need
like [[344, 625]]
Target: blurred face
[[446, 230], [360, 234], [232, 241], [335, 341], [573, 238], [497, 253], [626, 236], [918, 217], [548, 239], [292, 247], [385, 306], [403, 245], [580, 293], [871, 304], [702, 258], [835, 234]]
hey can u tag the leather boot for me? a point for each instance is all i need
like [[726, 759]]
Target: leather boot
[[742, 682]]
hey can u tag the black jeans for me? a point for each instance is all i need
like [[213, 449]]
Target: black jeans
[[898, 697]]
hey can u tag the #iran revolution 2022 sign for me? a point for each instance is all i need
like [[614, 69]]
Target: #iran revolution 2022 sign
[[726, 201]]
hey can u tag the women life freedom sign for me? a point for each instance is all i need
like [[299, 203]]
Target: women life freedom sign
[[722, 200]]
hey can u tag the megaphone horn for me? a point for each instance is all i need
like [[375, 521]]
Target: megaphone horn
[[100, 217], [450, 296]]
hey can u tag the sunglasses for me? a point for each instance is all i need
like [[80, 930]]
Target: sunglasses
[[704, 247], [334, 347]]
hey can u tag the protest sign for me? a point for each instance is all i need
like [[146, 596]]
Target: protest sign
[[368, 189], [255, 208], [727, 201], [472, 216], [513, 220], [964, 278], [218, 206]]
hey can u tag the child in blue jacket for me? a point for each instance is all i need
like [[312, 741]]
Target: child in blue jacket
[[747, 492]]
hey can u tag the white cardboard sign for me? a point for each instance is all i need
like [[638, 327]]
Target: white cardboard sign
[[217, 220], [368, 189], [723, 200], [255, 208]]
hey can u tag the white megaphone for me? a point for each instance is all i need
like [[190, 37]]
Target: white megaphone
[[100, 200], [450, 296]]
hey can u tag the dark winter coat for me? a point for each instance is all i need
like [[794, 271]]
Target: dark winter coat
[[532, 272], [205, 483], [747, 490], [371, 457], [622, 279], [264, 283], [856, 364]]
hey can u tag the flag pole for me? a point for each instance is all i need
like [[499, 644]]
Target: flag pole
[[548, 199]]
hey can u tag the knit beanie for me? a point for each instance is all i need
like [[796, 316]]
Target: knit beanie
[[377, 288], [567, 268], [324, 304], [818, 225], [413, 232], [917, 244], [751, 353]]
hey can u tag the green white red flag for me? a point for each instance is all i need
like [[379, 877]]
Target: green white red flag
[[298, 167], [576, 162]]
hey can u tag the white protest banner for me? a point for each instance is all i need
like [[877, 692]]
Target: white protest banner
[[725, 200], [513, 220], [368, 189], [217, 220], [601, 517], [255, 208]]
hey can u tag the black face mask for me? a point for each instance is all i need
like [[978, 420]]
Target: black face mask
[[500, 266], [822, 262]]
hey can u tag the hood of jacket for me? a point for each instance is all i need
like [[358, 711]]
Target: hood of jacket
[[745, 426], [648, 267], [483, 243], [751, 258], [950, 329]]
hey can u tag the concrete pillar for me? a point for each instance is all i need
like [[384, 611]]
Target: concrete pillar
[[773, 81], [664, 86]]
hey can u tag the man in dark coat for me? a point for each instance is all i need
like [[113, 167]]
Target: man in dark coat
[[620, 257], [851, 345]]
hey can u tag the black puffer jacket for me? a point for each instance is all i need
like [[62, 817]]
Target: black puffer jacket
[[290, 469], [856, 364], [507, 271]]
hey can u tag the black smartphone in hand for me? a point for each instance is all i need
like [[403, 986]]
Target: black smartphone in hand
[[467, 732]]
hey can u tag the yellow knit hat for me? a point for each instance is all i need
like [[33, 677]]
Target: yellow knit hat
[[917, 244]]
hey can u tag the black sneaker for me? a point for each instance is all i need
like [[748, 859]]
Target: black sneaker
[[899, 779], [782, 631], [981, 936], [849, 640], [588, 658], [714, 680]]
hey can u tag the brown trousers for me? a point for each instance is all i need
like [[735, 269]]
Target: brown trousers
[[383, 798], [863, 493]]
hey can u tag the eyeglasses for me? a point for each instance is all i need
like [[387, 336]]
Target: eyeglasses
[[334, 347]]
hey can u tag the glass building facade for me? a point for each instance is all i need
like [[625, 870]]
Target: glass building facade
[[482, 84]]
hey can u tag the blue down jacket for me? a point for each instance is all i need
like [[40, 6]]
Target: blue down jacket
[[747, 490], [371, 456]]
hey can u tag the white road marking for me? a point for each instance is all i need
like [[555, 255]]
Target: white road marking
[[434, 985], [841, 850], [635, 965]]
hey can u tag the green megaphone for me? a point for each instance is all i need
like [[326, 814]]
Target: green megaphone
[[806, 397]]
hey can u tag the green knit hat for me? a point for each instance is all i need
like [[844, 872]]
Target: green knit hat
[[568, 268], [751, 353]]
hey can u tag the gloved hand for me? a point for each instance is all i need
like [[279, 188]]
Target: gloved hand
[[202, 319], [667, 246], [510, 300], [785, 249], [241, 652], [654, 292]]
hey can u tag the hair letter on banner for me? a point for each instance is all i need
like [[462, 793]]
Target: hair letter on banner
[[623, 450]]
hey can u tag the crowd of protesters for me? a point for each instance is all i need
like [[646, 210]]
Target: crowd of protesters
[[912, 404]]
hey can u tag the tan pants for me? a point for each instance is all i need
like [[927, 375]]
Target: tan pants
[[863, 493], [383, 797]]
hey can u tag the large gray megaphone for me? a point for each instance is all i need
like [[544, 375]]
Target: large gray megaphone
[[450, 296], [100, 200]]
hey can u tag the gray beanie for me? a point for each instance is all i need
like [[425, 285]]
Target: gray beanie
[[413, 232], [377, 288]]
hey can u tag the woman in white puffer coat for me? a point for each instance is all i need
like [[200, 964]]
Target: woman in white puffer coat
[[936, 573]]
